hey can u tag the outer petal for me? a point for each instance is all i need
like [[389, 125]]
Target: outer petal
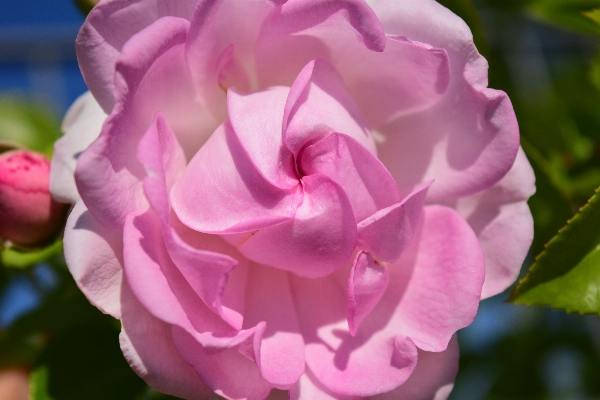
[[469, 139], [280, 352], [318, 240], [105, 31], [93, 255], [502, 221], [148, 347], [410, 76], [432, 379], [442, 274], [107, 176], [206, 271], [81, 126]]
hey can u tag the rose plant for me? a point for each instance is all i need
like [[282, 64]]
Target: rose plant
[[308, 196]]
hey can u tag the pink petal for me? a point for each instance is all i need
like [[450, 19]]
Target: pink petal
[[280, 353], [376, 360], [318, 105], [221, 191], [411, 76], [469, 139], [207, 272], [386, 233], [367, 283], [256, 121], [164, 292], [369, 186], [302, 30], [108, 178], [81, 126], [107, 28], [432, 379], [502, 221], [440, 277], [318, 240], [93, 255], [148, 347], [228, 373]]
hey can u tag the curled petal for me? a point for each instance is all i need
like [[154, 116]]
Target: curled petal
[[228, 373], [318, 240], [369, 186], [108, 178], [221, 191], [105, 31], [93, 255], [318, 105], [389, 231], [161, 288], [279, 353], [432, 379], [367, 283]]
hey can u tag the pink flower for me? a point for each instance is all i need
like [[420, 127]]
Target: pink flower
[[28, 215], [302, 195]]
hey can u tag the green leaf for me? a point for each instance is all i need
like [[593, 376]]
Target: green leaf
[[85, 6], [566, 275], [569, 14], [594, 15], [38, 384], [12, 257]]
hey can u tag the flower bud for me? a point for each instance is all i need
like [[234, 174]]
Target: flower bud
[[28, 214]]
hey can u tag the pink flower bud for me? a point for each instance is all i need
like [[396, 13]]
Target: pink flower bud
[[28, 215]]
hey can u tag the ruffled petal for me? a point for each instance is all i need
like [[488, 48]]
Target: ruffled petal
[[318, 240], [318, 105], [81, 126], [148, 347], [386, 233], [439, 279], [367, 183], [105, 31], [221, 191], [93, 255], [207, 272], [432, 379], [280, 352], [107, 177], [503, 223], [228, 373], [469, 139]]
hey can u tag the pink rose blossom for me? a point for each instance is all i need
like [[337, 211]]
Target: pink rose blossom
[[28, 214], [308, 196]]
